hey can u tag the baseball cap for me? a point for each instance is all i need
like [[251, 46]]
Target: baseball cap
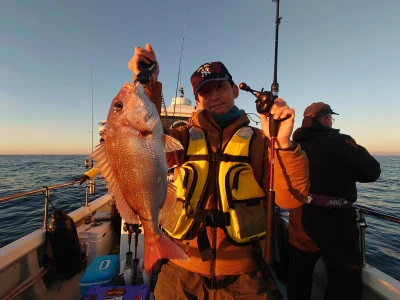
[[208, 72], [316, 110]]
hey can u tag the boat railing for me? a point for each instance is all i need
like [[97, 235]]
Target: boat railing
[[362, 211], [90, 189]]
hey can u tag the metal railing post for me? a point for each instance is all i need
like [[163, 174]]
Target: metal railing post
[[362, 224], [46, 206], [90, 189]]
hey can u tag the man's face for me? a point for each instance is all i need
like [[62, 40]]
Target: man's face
[[217, 96]]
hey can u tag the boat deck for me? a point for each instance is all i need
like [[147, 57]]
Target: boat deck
[[62, 289]]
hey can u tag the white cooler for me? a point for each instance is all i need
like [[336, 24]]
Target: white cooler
[[98, 238]]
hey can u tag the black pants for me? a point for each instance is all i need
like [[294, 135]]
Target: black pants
[[336, 233]]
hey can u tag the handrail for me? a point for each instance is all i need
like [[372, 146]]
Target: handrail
[[362, 224], [37, 191], [377, 214], [90, 189]]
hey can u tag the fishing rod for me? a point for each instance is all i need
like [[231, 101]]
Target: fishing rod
[[146, 70], [264, 102], [179, 70]]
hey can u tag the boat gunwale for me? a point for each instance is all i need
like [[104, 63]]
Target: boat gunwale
[[14, 251]]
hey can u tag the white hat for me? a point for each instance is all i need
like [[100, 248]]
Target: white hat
[[102, 125]]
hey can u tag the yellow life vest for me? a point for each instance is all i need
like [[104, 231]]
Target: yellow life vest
[[242, 214]]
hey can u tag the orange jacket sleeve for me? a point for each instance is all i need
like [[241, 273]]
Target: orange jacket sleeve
[[291, 182]]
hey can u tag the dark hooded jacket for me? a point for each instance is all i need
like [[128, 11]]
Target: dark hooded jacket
[[336, 161]]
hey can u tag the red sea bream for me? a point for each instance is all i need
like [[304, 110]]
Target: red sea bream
[[132, 161]]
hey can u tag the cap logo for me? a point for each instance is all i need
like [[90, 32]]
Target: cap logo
[[207, 72], [204, 70]]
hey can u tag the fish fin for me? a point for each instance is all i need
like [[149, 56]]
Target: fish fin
[[171, 144], [158, 246], [102, 163], [169, 202]]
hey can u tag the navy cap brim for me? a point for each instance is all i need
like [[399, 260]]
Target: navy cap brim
[[324, 112], [223, 77]]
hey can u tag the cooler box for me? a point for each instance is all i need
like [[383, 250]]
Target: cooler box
[[98, 238], [141, 292], [103, 271]]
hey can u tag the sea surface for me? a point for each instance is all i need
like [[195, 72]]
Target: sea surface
[[22, 173]]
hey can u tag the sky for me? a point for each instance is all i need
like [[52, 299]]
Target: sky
[[62, 62]]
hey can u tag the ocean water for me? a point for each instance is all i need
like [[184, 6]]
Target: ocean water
[[22, 173]]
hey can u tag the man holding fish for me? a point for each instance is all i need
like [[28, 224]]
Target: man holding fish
[[221, 180]]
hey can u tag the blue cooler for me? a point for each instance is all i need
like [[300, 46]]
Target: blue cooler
[[102, 271]]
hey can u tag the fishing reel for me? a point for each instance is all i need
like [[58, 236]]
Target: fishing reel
[[146, 70], [264, 99], [132, 228]]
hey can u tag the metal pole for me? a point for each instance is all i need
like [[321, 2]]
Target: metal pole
[[87, 192], [362, 224], [46, 206], [91, 84]]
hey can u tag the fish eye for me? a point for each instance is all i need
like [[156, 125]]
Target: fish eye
[[118, 106]]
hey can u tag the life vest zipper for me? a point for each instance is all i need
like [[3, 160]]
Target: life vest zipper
[[215, 205]]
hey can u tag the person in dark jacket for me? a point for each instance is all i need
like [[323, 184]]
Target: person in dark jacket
[[326, 225]]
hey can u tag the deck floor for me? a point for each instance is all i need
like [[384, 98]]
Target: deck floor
[[62, 289]]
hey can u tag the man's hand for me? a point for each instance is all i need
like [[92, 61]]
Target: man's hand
[[146, 56], [280, 110]]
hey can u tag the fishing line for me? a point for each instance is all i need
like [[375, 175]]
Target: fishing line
[[178, 82], [257, 122]]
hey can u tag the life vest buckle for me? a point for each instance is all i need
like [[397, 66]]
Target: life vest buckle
[[218, 219], [212, 218], [217, 157]]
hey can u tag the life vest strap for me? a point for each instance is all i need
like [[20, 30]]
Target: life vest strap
[[206, 252], [211, 217], [218, 157]]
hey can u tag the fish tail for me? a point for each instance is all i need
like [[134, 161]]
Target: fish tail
[[160, 246]]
